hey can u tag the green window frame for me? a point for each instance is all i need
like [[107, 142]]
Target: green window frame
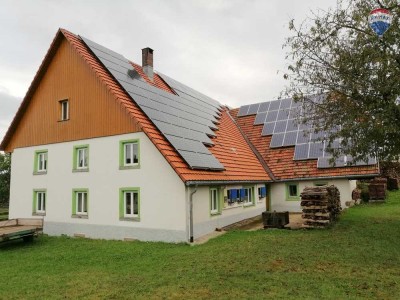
[[80, 203], [129, 154], [292, 192], [129, 204], [40, 163], [215, 201], [320, 183], [248, 199], [39, 202], [80, 158]]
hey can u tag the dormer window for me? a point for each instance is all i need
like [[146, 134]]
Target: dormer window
[[64, 110]]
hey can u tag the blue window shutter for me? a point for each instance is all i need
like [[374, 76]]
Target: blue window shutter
[[263, 192], [233, 194], [242, 193]]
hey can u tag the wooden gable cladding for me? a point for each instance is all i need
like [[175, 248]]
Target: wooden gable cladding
[[93, 109]]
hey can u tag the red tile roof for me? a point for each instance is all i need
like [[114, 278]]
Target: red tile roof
[[280, 160], [230, 147]]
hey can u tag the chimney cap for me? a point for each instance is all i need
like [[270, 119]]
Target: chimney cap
[[149, 49]]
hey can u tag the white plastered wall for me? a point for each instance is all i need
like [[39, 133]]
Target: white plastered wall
[[278, 193], [204, 222], [162, 193]]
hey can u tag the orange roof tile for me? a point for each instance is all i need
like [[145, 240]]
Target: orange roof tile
[[280, 160]]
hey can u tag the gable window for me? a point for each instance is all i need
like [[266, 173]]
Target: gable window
[[129, 204], [81, 158], [214, 201], [39, 202], [80, 203], [64, 110], [320, 183], [40, 163], [129, 154], [292, 191]]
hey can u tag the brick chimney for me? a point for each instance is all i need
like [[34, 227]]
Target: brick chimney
[[147, 62]]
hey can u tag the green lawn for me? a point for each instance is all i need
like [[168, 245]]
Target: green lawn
[[358, 258], [3, 214]]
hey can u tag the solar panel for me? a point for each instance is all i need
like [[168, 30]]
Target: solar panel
[[253, 109], [283, 114], [292, 125], [316, 150], [303, 137], [260, 118], [290, 138], [280, 126], [318, 136], [277, 140], [263, 107], [243, 110], [274, 105], [268, 128], [185, 119], [294, 113], [271, 116], [286, 103], [301, 151]]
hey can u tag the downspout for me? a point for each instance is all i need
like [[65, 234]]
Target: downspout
[[191, 214]]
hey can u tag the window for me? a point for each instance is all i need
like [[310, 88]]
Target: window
[[40, 164], [320, 183], [246, 195], [129, 154], [240, 196], [214, 201], [64, 110], [292, 191], [262, 192], [81, 158], [39, 202], [129, 204], [80, 202]]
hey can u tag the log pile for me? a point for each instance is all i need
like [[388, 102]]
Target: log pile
[[320, 205], [377, 189]]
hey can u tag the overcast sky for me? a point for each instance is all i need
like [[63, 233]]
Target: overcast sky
[[229, 50]]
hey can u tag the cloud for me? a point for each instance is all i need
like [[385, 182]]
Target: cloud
[[8, 107]]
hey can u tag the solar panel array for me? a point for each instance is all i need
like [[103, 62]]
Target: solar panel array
[[280, 117], [186, 120]]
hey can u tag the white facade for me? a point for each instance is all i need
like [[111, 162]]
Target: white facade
[[164, 198], [279, 197], [162, 193], [205, 222]]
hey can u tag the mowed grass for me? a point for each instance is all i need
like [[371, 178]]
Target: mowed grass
[[3, 214], [357, 258]]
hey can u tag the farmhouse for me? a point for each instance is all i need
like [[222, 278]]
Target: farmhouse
[[106, 148]]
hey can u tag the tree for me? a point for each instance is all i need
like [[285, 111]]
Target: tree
[[336, 54], [5, 172]]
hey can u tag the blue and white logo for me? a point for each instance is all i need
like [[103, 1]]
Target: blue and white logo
[[380, 20]]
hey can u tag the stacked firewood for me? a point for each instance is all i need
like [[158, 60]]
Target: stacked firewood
[[377, 189], [321, 206]]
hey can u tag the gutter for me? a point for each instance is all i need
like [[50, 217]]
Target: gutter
[[191, 239], [224, 182], [349, 177]]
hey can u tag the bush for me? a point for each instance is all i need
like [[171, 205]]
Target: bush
[[363, 186]]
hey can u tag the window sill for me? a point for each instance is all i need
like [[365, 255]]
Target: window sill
[[217, 213], [80, 216], [40, 173], [248, 205], [39, 214], [80, 170], [129, 167], [233, 206], [134, 219], [293, 199], [63, 120]]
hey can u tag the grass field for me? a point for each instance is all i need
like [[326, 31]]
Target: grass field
[[3, 214], [358, 258]]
